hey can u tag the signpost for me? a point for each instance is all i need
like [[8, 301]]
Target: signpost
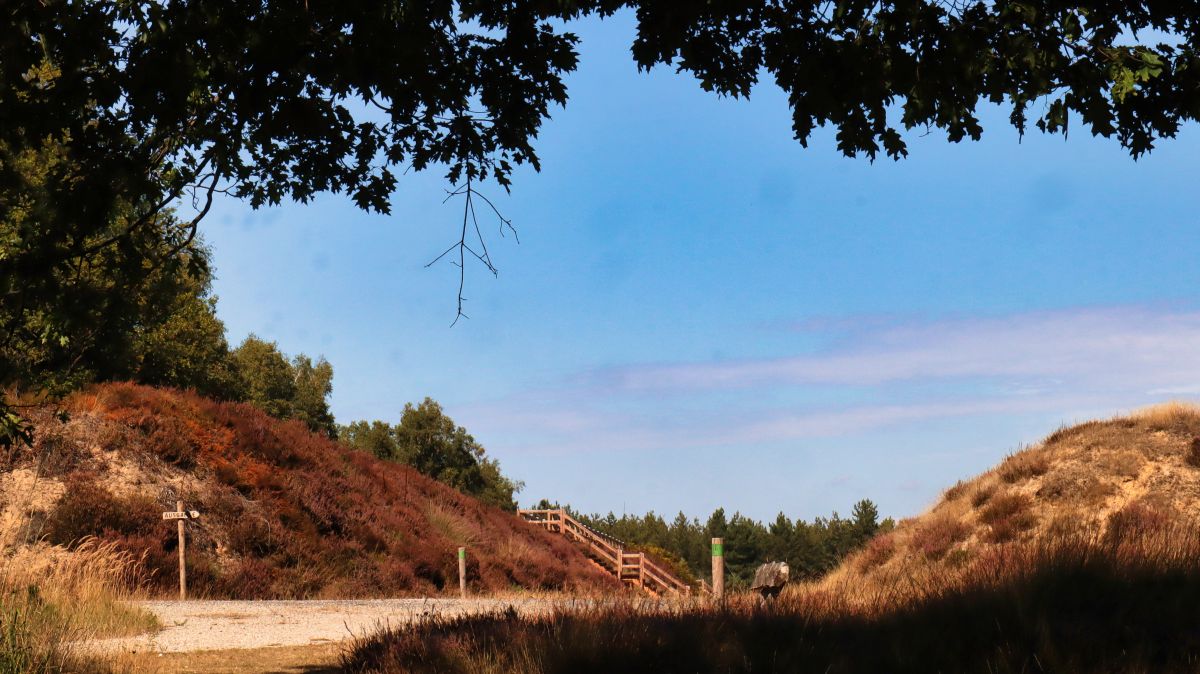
[[462, 572], [180, 515], [718, 569]]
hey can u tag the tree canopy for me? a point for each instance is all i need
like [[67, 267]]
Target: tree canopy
[[114, 111], [286, 388], [428, 439]]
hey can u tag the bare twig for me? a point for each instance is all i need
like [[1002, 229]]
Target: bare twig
[[470, 221]]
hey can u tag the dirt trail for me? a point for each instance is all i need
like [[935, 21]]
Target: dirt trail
[[223, 625]]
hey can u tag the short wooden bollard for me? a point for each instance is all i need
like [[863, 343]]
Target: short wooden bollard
[[462, 572], [179, 515], [718, 569]]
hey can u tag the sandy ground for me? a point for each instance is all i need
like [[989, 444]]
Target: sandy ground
[[224, 625]]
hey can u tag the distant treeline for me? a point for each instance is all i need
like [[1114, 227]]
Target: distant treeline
[[811, 549]]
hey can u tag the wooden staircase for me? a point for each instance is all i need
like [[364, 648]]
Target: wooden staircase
[[632, 568]]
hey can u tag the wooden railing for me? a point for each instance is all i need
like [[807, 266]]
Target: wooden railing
[[633, 568]]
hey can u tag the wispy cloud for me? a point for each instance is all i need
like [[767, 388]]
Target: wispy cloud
[[1122, 346], [1062, 362]]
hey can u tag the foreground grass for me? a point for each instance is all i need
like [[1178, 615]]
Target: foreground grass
[[47, 605], [1069, 605]]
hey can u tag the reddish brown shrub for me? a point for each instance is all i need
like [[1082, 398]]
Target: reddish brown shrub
[[956, 491], [934, 539], [325, 520], [1138, 519], [168, 438], [1007, 515], [88, 509], [1004, 506], [1024, 465], [877, 551], [982, 495], [1193, 453]]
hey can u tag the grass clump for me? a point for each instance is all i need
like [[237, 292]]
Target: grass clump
[[48, 606], [934, 538], [1024, 465]]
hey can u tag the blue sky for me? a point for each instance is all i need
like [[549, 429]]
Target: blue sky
[[700, 312]]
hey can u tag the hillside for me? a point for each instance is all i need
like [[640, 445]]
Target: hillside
[[285, 513], [1079, 554], [1102, 482]]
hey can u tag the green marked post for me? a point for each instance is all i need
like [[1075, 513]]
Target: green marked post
[[718, 569], [462, 572]]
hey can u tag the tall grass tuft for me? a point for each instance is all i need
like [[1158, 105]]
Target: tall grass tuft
[[52, 602]]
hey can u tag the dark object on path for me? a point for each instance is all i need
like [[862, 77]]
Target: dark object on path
[[770, 579]]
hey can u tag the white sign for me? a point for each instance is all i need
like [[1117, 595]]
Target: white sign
[[176, 515]]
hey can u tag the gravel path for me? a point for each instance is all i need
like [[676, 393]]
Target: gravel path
[[214, 625]]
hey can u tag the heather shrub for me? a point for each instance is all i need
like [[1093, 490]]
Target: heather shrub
[[877, 552], [1007, 515], [955, 492], [934, 538], [1024, 465], [1193, 453], [250, 535], [982, 495], [54, 451], [1004, 506], [1137, 519], [294, 513], [1008, 528], [168, 439], [1127, 464], [958, 558], [88, 509]]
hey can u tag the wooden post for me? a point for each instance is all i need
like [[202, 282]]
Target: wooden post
[[462, 572], [718, 569], [179, 515], [182, 562]]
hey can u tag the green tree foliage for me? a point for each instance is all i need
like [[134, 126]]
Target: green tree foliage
[[314, 385], [811, 549], [122, 302], [103, 299], [113, 110], [374, 437], [189, 350], [427, 439], [286, 389], [267, 376]]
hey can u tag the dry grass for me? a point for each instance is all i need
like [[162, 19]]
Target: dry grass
[[1171, 414], [1122, 602], [50, 600], [1071, 483]]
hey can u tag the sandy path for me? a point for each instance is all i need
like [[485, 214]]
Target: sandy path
[[214, 625]]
